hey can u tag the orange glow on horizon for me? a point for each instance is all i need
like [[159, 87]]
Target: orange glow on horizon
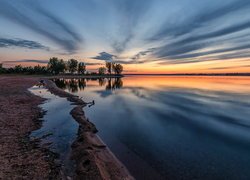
[[213, 66]]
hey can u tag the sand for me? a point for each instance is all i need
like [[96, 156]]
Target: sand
[[93, 158], [23, 158]]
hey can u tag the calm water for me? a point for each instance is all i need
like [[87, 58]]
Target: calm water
[[58, 125], [172, 127]]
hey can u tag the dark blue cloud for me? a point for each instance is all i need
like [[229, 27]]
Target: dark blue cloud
[[201, 18], [206, 30], [6, 43], [28, 61], [105, 56]]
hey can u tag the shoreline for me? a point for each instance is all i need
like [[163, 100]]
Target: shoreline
[[93, 158], [126, 75], [22, 157]]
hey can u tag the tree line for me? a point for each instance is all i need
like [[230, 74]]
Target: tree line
[[57, 66]]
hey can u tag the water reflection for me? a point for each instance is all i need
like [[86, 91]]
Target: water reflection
[[177, 127], [75, 85], [58, 124]]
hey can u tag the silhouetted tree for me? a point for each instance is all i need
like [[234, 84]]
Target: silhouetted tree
[[102, 70], [39, 69], [2, 70], [81, 68], [109, 67], [117, 68], [18, 69], [56, 66], [72, 65]]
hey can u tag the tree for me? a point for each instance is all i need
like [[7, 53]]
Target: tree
[[2, 70], [113, 67], [39, 69], [56, 66], [72, 65], [117, 68], [102, 70], [81, 68], [18, 69], [109, 67]]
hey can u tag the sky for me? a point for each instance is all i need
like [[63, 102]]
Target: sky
[[145, 36]]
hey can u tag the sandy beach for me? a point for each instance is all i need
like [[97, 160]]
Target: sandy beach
[[23, 158]]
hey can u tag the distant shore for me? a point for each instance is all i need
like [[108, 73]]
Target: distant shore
[[192, 74], [123, 75]]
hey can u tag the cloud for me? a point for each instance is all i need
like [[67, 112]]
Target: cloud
[[184, 49], [220, 68], [59, 32], [142, 53], [204, 33], [130, 14], [28, 61], [183, 31], [223, 50], [201, 18], [92, 64], [105, 56], [6, 43]]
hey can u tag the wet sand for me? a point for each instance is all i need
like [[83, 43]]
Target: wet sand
[[93, 158], [21, 158]]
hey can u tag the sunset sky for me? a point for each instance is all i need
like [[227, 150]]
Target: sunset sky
[[146, 36]]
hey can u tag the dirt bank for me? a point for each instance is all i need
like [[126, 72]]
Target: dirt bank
[[93, 159], [19, 157]]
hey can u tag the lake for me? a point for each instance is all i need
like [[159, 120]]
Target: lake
[[173, 127], [59, 129]]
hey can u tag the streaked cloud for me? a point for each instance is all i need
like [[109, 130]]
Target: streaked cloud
[[42, 22], [6, 43], [164, 33], [28, 61]]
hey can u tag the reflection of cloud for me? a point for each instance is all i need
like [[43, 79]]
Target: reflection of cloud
[[6, 43], [104, 94]]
